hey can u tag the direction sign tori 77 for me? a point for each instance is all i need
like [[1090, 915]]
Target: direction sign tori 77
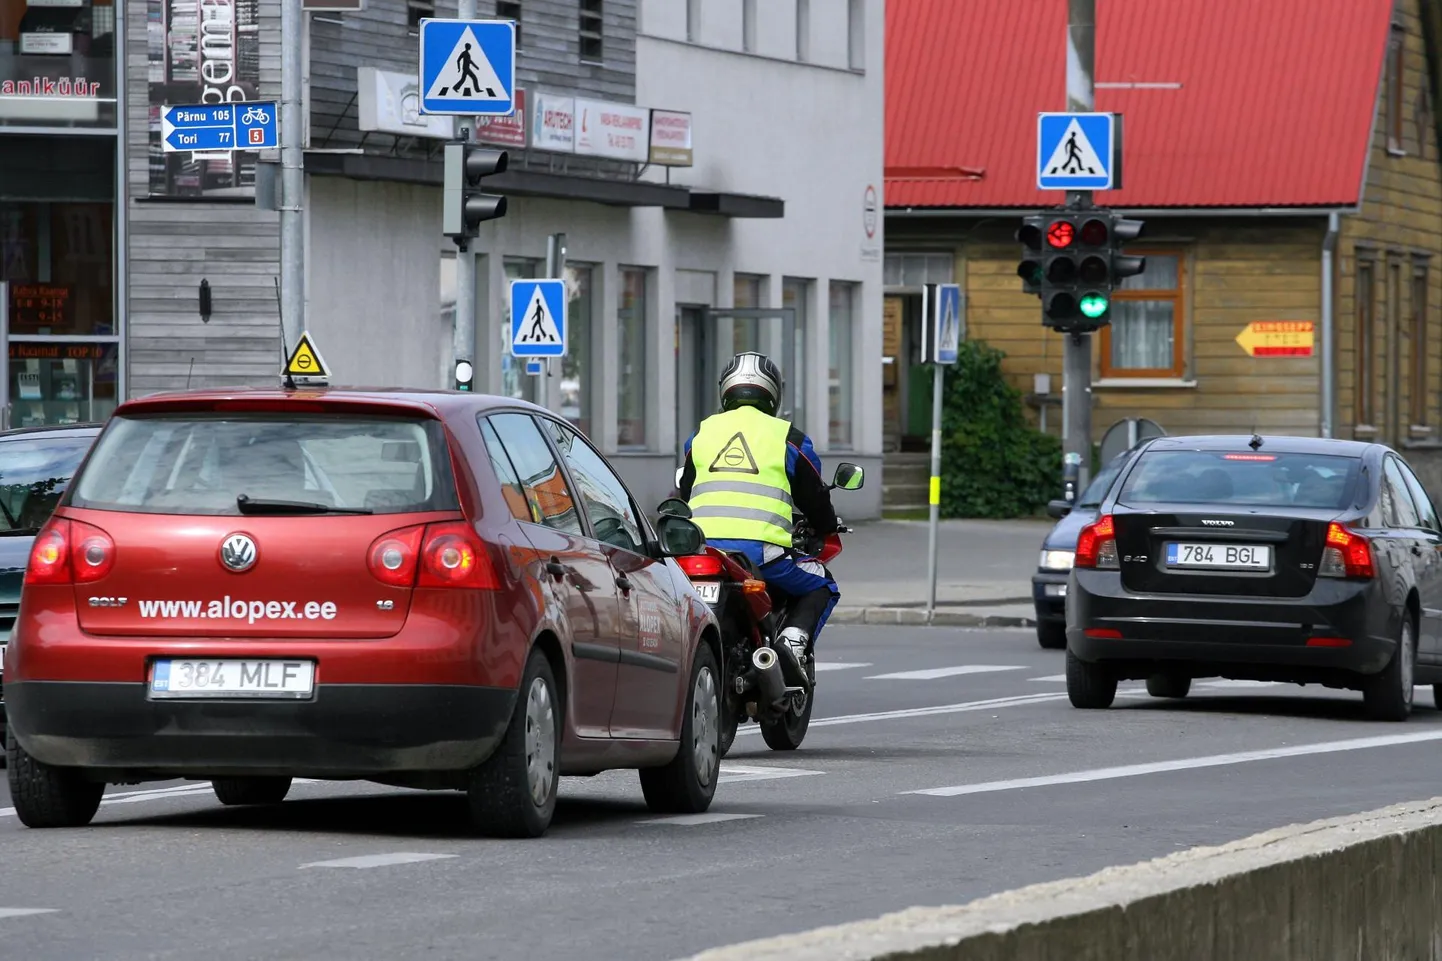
[[240, 125]]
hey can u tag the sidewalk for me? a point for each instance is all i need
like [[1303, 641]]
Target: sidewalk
[[983, 580]]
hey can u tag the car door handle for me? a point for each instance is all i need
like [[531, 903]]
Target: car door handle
[[556, 569], [624, 584]]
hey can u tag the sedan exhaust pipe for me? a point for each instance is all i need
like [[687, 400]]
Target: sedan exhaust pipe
[[769, 682]]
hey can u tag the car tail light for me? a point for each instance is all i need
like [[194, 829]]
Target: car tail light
[[1096, 546], [432, 555], [700, 565], [70, 552], [1347, 554]]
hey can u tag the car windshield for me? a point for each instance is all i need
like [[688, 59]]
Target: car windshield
[[1244, 479], [35, 470], [1097, 489], [246, 463]]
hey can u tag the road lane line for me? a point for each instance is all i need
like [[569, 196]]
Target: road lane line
[[25, 912], [936, 672], [1049, 679], [732, 773], [379, 860], [839, 665], [1184, 764], [691, 820], [964, 706]]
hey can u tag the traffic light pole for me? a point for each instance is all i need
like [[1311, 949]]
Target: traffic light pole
[[1077, 348], [463, 338]]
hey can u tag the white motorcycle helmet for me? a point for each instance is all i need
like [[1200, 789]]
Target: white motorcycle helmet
[[751, 380]]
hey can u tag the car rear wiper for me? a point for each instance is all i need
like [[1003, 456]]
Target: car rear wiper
[[261, 505]]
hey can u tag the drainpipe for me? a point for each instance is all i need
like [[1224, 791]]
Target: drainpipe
[[1329, 364]]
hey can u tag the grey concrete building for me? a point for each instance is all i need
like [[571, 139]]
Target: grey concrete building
[[743, 210]]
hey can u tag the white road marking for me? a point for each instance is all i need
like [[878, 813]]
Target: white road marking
[[691, 820], [964, 706], [838, 665], [935, 672], [1184, 764], [378, 860], [1050, 679], [731, 773], [1224, 684], [25, 912], [189, 789]]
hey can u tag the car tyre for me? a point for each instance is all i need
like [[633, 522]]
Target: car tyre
[[250, 790], [1387, 696], [1168, 684], [46, 796], [512, 794], [1089, 686], [1051, 636], [688, 783]]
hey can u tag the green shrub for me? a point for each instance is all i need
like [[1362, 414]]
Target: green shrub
[[993, 462]]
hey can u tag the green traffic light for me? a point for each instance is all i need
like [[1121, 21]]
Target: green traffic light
[[1093, 306]]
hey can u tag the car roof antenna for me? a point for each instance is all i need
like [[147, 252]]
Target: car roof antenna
[[1255, 442], [289, 382]]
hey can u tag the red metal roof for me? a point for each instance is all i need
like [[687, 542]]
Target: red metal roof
[[1275, 107]]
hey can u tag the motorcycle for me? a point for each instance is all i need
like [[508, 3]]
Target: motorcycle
[[762, 681]]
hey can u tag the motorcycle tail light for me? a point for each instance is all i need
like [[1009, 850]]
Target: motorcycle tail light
[[700, 565]]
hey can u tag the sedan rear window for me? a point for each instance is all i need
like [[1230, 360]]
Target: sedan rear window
[[1242, 478], [203, 463]]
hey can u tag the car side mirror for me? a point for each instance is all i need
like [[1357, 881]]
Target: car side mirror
[[849, 477], [679, 536], [1058, 508], [674, 507]]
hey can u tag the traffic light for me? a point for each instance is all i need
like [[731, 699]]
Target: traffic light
[[1080, 264], [1124, 266], [1030, 235], [465, 206], [465, 373]]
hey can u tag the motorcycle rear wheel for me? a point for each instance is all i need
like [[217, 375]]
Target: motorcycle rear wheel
[[788, 731], [730, 721]]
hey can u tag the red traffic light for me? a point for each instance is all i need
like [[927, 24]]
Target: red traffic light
[[1060, 233], [1094, 232]]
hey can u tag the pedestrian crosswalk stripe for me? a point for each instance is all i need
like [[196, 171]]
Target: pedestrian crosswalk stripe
[[691, 820], [936, 672]]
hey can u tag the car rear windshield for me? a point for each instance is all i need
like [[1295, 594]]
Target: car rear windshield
[[201, 463], [1242, 478], [35, 471]]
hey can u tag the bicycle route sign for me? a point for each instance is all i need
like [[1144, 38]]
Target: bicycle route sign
[[220, 127]]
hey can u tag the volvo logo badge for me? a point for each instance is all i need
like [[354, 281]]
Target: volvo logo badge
[[1220, 523], [237, 553]]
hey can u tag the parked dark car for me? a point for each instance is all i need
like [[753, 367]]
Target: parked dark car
[[36, 465], [1058, 550], [1304, 560]]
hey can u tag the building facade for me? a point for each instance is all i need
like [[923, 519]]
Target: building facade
[[733, 203]]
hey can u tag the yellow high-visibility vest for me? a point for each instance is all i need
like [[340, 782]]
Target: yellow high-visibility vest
[[741, 490]]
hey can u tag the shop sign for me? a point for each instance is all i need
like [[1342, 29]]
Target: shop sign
[[616, 131], [39, 308], [47, 43], [390, 102], [50, 87], [509, 131], [27, 350], [553, 123], [671, 138]]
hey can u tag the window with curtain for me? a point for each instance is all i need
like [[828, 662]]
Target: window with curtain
[[631, 364], [1145, 336], [1363, 331], [1418, 303], [795, 293], [515, 382], [843, 297], [576, 365], [746, 294]]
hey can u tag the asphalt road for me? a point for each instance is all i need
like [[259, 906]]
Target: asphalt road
[[1024, 789]]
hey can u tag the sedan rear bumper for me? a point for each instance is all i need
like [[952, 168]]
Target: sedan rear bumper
[[346, 730], [1340, 628]]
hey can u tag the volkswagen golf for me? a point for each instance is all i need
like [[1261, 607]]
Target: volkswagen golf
[[430, 590]]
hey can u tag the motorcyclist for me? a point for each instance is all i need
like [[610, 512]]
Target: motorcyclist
[[745, 469]]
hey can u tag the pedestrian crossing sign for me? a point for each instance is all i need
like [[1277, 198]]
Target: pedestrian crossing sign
[[538, 318], [1077, 151], [467, 67]]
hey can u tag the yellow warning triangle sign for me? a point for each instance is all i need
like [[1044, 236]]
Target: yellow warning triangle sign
[[735, 457], [305, 361]]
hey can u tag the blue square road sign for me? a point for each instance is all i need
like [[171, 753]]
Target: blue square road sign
[[1076, 151], [468, 67], [538, 318]]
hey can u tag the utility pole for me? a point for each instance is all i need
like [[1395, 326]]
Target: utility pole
[[463, 338], [1077, 347], [292, 161]]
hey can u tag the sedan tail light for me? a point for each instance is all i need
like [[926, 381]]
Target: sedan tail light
[[1096, 546], [1347, 554], [433, 555], [69, 552]]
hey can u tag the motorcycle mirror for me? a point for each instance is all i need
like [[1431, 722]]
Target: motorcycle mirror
[[674, 507], [679, 536], [849, 477]]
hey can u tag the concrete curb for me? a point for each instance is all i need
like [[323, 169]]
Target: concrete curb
[[912, 617], [1336, 890]]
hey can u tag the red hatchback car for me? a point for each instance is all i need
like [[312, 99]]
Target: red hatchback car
[[428, 590]]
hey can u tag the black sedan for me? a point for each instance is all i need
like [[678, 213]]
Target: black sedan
[[1303, 560]]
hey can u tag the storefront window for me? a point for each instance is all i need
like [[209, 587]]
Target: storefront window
[[515, 382], [795, 294], [57, 63], [62, 383], [576, 366], [746, 294], [631, 368], [843, 296]]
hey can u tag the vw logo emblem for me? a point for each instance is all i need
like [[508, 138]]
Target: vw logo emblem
[[237, 553]]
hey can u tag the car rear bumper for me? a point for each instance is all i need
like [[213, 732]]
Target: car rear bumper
[[1341, 626], [1048, 594], [345, 730]]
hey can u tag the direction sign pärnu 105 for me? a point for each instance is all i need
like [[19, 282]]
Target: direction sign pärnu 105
[[202, 127]]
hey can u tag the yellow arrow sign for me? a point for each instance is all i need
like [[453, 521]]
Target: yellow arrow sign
[[1278, 338]]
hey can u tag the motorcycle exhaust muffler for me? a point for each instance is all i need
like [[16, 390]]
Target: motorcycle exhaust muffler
[[770, 683]]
